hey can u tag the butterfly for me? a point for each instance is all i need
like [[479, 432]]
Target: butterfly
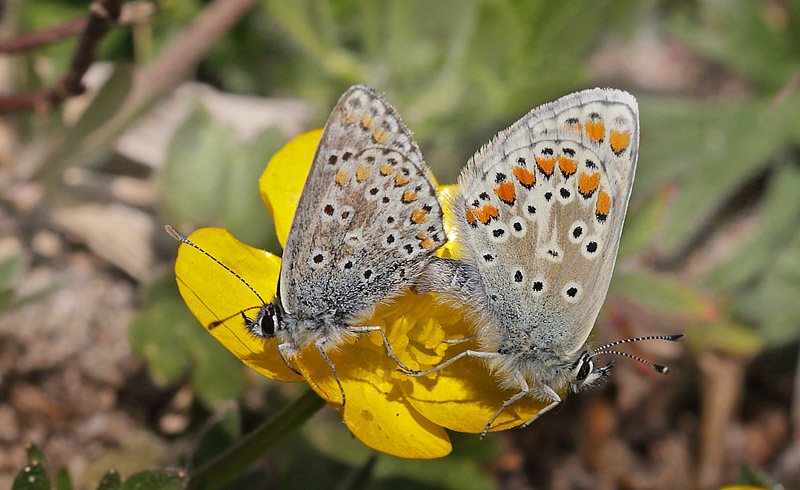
[[365, 226], [539, 214]]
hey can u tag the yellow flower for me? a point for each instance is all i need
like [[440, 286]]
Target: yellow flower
[[387, 410]]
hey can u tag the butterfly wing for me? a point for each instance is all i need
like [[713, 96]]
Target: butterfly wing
[[540, 212], [367, 217]]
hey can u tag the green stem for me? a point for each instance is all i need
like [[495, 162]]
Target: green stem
[[254, 445]]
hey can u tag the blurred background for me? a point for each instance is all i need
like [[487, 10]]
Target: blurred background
[[101, 363]]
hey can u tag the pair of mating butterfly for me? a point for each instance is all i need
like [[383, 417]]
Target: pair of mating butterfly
[[540, 211]]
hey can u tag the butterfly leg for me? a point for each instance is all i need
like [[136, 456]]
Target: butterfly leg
[[524, 390], [466, 353], [458, 341], [288, 351], [555, 401], [403, 367], [320, 343]]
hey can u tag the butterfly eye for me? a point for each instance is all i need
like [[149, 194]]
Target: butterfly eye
[[586, 367]]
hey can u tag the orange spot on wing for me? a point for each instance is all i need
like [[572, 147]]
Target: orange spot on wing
[[380, 136], [419, 216], [505, 191], [568, 166], [362, 172], [351, 118], [619, 141], [595, 130], [486, 213], [410, 196], [587, 184], [341, 178], [426, 243], [603, 205], [525, 176], [386, 169], [367, 121], [400, 179], [546, 165], [471, 219]]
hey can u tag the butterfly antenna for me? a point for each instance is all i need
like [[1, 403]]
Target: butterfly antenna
[[174, 234], [658, 367], [220, 322], [670, 338]]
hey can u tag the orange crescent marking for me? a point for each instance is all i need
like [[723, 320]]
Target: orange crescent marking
[[341, 178], [595, 130], [603, 203], [587, 184], [362, 172], [619, 141], [505, 191], [400, 180], [568, 166], [366, 121], [471, 219], [420, 216], [546, 165], [409, 196], [386, 169], [380, 136], [525, 177]]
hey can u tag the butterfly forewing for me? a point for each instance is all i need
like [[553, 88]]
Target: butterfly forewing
[[541, 209], [367, 217]]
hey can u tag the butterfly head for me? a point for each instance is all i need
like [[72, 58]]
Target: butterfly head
[[585, 373]]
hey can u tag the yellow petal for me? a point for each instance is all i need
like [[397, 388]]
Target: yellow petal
[[464, 396], [282, 181], [376, 411], [213, 294], [446, 194]]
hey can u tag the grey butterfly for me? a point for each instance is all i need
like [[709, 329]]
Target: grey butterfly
[[539, 214], [365, 226]]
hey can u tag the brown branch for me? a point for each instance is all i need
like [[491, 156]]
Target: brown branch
[[26, 42], [103, 15]]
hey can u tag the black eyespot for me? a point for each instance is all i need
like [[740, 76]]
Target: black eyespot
[[318, 258], [538, 286], [572, 292], [374, 191], [409, 248], [586, 367], [332, 160], [385, 200], [488, 257], [367, 274], [531, 210], [328, 209], [427, 208], [499, 177], [348, 265], [498, 232], [569, 151], [577, 232], [547, 151], [484, 196], [518, 276], [390, 219], [548, 196], [346, 156], [390, 239], [591, 247], [345, 214], [517, 226], [521, 161], [565, 193]]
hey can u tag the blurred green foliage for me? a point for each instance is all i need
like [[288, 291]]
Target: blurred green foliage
[[459, 71]]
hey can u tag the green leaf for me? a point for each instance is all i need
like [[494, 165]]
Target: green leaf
[[154, 480], [707, 152], [665, 295], [242, 210], [773, 304], [32, 477], [780, 215], [63, 481], [726, 337], [220, 434], [642, 225], [199, 158], [105, 104], [170, 340], [110, 481]]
